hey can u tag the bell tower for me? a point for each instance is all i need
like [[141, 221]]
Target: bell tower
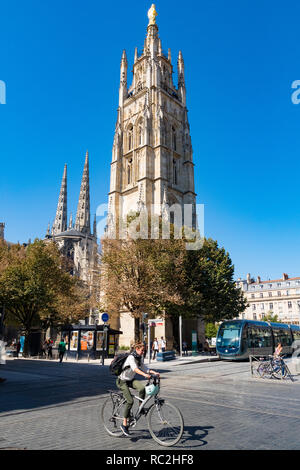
[[152, 156]]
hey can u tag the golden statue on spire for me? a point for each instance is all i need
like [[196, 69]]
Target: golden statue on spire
[[152, 14]]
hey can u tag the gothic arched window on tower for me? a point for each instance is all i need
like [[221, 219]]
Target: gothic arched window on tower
[[140, 135], [174, 172], [174, 138], [129, 171], [130, 137]]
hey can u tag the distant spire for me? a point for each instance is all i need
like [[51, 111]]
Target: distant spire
[[181, 78], [71, 221], [48, 231], [60, 223], [123, 79], [95, 227], [82, 223]]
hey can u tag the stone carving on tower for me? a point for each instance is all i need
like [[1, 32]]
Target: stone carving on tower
[[152, 146]]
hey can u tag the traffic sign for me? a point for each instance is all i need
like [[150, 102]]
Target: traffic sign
[[105, 317]]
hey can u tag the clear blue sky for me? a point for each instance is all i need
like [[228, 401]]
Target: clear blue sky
[[60, 62]]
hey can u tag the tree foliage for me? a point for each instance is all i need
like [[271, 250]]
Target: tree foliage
[[35, 289], [161, 277]]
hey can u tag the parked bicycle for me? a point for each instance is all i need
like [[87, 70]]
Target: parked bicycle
[[274, 367], [165, 421]]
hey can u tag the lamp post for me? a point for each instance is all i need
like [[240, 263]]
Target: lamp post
[[180, 335]]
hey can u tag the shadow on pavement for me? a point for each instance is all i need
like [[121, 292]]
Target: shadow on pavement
[[193, 437], [32, 384]]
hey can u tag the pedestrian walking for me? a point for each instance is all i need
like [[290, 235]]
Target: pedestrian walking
[[2, 357], [61, 349], [18, 347], [44, 348], [49, 348], [162, 344], [155, 348]]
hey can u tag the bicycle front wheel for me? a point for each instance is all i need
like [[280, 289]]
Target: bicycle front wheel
[[111, 418], [165, 423]]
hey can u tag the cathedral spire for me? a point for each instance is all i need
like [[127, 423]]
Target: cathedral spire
[[123, 79], [181, 78], [60, 223], [82, 223]]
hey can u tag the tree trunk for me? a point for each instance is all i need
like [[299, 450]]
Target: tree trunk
[[137, 330], [26, 344]]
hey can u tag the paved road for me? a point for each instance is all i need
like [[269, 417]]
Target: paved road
[[47, 405]]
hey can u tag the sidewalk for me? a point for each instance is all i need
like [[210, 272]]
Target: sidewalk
[[174, 362]]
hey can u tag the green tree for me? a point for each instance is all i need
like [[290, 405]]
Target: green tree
[[208, 289], [270, 317], [137, 274], [211, 330], [35, 290]]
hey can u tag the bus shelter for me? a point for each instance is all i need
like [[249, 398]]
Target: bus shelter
[[89, 341]]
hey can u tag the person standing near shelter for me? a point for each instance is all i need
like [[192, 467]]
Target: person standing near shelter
[[49, 348], [162, 344], [61, 349], [184, 348], [155, 348], [44, 348]]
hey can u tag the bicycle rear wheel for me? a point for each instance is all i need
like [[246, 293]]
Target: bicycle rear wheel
[[110, 416], [165, 423], [279, 371]]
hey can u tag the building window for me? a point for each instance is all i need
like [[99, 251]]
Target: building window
[[252, 296], [261, 294], [174, 143], [174, 172], [140, 135], [271, 306], [130, 137], [270, 294], [287, 292], [289, 304], [270, 285], [253, 307], [279, 293], [129, 171], [278, 284]]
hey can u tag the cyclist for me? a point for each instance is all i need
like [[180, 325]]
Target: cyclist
[[278, 351], [133, 365]]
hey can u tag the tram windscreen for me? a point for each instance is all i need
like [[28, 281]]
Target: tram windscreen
[[229, 335]]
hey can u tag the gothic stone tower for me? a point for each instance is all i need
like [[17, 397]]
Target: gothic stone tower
[[152, 158]]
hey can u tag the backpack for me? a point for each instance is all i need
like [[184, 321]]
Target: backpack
[[117, 363]]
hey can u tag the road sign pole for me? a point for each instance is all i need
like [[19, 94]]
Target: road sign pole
[[180, 335]]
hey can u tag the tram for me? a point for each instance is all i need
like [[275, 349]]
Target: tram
[[238, 339]]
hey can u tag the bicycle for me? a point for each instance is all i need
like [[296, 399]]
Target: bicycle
[[274, 367], [165, 421]]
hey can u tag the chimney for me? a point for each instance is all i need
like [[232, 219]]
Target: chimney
[[2, 225], [285, 276], [258, 279], [248, 278]]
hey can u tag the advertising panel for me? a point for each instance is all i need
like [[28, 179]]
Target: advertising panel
[[74, 341], [87, 340]]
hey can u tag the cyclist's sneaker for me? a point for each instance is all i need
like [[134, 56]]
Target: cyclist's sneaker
[[125, 430]]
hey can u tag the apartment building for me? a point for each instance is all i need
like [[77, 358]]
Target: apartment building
[[279, 297]]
